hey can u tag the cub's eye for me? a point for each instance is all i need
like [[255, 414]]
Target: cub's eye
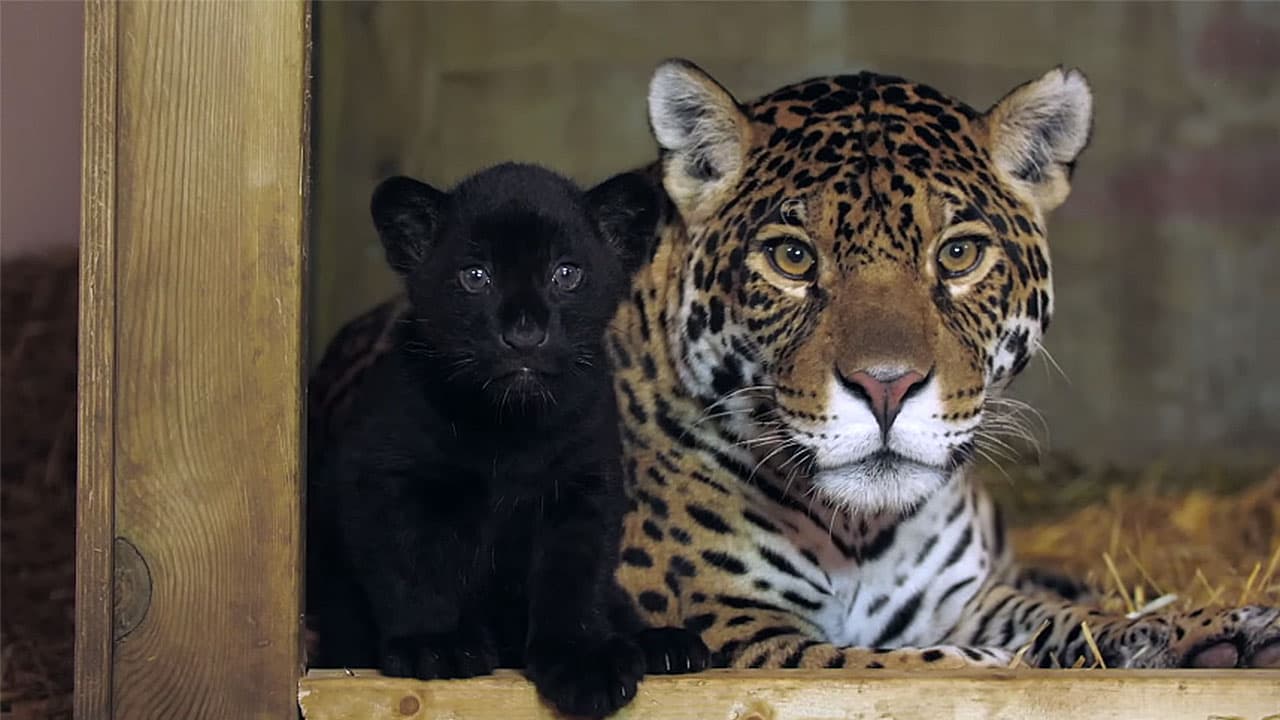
[[474, 279], [792, 259], [567, 276], [961, 255]]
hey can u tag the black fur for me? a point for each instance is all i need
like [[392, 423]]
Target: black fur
[[478, 498]]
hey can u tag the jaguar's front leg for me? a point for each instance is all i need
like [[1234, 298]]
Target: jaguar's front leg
[[1054, 635], [758, 638]]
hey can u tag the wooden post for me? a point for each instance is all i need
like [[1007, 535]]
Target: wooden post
[[189, 563], [95, 463]]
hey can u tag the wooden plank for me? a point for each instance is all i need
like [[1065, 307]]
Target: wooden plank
[[95, 453], [817, 695], [209, 217]]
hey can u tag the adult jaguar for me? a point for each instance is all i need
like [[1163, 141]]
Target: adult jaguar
[[850, 271]]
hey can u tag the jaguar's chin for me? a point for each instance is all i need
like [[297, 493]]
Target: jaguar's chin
[[883, 482]]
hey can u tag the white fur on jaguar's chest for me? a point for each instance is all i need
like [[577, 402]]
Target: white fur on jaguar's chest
[[867, 601]]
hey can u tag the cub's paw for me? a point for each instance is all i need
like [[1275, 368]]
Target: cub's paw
[[587, 681], [459, 654], [672, 651], [1245, 637]]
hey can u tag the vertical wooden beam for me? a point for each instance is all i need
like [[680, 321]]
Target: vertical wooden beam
[[193, 377], [96, 416]]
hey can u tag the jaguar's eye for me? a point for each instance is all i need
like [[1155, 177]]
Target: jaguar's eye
[[474, 279], [567, 276], [960, 256], [792, 259]]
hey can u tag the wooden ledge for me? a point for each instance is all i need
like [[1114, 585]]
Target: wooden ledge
[[821, 694]]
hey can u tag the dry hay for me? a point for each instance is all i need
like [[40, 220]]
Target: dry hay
[[1208, 535], [37, 489]]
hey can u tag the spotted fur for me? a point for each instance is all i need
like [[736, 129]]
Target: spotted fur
[[796, 446]]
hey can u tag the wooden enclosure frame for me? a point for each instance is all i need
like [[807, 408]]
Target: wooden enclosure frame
[[189, 547], [189, 554]]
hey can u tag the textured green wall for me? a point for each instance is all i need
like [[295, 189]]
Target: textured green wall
[[1167, 255]]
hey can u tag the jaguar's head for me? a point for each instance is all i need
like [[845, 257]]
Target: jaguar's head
[[867, 265]]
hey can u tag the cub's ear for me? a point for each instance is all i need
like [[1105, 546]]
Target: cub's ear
[[406, 213], [627, 207], [703, 133], [1037, 132]]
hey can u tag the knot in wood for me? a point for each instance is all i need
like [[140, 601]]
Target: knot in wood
[[409, 705], [131, 588]]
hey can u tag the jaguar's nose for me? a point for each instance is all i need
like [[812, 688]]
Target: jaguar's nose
[[884, 392]]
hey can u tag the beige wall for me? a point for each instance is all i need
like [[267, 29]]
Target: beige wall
[[40, 58], [1167, 257]]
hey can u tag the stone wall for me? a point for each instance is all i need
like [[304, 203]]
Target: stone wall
[[1167, 255]]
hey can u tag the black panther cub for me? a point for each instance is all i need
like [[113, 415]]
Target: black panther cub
[[477, 500]]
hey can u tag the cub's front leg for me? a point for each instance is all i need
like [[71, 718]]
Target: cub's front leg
[[574, 656], [409, 553]]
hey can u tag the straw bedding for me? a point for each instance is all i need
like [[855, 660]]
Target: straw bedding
[[1204, 535], [1207, 535], [37, 491]]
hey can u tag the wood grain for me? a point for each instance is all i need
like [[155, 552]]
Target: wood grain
[[209, 216], [815, 695], [95, 462]]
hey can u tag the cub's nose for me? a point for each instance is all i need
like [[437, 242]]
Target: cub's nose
[[883, 392], [524, 334]]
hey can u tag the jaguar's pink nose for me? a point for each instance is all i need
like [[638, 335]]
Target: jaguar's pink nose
[[884, 394]]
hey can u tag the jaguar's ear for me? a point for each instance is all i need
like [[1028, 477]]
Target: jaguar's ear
[[626, 208], [1037, 132], [703, 133], [406, 213]]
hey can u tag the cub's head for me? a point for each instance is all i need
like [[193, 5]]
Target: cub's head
[[868, 265], [514, 274]]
